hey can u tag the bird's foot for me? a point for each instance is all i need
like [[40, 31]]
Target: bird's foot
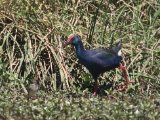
[[123, 87], [95, 88], [95, 93]]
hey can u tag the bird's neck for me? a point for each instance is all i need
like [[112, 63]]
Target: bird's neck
[[79, 48]]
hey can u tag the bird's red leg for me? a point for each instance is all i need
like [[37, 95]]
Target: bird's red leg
[[95, 88], [127, 81]]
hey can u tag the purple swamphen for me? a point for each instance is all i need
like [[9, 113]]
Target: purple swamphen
[[99, 60]]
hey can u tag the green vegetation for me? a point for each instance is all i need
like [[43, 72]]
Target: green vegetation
[[31, 36]]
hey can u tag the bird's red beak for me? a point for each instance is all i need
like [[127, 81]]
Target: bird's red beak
[[69, 41]]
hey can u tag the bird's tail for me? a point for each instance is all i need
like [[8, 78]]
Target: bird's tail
[[119, 44], [117, 48]]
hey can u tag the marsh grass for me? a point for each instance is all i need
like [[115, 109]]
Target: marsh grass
[[31, 37]]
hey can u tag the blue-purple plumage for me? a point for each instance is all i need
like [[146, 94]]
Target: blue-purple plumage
[[99, 60]]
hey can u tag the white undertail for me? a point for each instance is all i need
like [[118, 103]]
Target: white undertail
[[120, 52]]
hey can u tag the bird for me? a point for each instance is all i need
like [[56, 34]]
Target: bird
[[99, 60]]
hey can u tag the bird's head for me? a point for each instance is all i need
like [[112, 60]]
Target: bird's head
[[73, 40]]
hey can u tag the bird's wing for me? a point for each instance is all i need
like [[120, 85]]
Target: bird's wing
[[102, 57], [102, 53]]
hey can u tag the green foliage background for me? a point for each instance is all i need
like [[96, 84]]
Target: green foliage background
[[32, 33]]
